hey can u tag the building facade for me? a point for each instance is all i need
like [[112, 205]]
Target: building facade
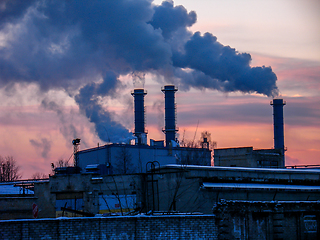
[[248, 157], [126, 158]]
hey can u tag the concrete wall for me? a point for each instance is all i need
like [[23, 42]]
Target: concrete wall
[[268, 220], [139, 227], [182, 188], [247, 157], [44, 200], [88, 193], [174, 188], [171, 188], [16, 207], [237, 157]]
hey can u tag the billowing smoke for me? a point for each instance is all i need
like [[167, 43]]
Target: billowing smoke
[[172, 19], [221, 67], [89, 103], [83, 47]]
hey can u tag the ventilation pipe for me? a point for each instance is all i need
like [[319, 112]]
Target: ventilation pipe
[[139, 116], [170, 113], [278, 126]]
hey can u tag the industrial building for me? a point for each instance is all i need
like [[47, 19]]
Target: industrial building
[[257, 158], [127, 158], [248, 157], [247, 192], [168, 188], [119, 158]]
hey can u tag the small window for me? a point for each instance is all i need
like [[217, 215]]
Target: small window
[[274, 163]]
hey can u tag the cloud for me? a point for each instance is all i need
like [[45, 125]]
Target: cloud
[[290, 161], [74, 46], [295, 76], [170, 19], [302, 111]]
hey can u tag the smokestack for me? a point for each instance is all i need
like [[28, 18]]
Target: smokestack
[[278, 126], [139, 115], [170, 113]]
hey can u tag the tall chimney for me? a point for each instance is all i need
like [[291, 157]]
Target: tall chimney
[[170, 113], [139, 115], [278, 125]]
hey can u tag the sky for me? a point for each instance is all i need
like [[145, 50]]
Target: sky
[[67, 69]]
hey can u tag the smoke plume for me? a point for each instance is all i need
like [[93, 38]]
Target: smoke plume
[[88, 100], [83, 47], [221, 67], [43, 145]]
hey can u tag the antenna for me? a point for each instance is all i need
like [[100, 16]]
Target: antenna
[[195, 133], [182, 141], [107, 133]]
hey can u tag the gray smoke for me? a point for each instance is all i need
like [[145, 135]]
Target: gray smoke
[[221, 67], [68, 125], [171, 19], [83, 47], [43, 145], [88, 100]]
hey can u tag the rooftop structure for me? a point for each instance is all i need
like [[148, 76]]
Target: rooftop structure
[[248, 157]]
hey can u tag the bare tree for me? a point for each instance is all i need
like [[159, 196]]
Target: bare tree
[[39, 175], [59, 164], [9, 171], [62, 163], [206, 142], [124, 163], [197, 157]]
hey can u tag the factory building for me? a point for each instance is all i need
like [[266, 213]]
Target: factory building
[[134, 158], [168, 188], [126, 158], [257, 158], [248, 157], [247, 193]]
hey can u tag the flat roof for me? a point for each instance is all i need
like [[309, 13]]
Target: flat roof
[[240, 169], [258, 186], [140, 147], [7, 189]]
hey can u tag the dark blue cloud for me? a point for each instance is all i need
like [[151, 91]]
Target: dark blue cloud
[[58, 42], [170, 19], [225, 64], [74, 45], [12, 10]]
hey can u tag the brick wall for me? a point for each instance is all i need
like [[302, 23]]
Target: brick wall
[[133, 227]]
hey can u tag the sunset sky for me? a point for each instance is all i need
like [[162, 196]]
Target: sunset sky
[[49, 65]]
